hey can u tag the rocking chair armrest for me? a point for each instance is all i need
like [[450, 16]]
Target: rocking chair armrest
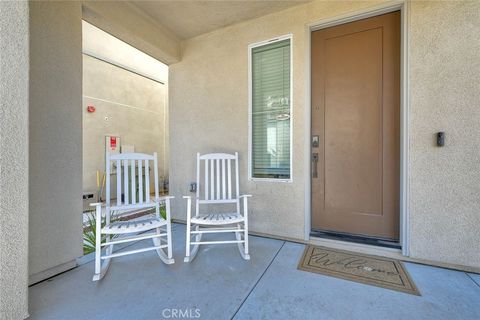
[[97, 204], [245, 196], [190, 197], [163, 198]]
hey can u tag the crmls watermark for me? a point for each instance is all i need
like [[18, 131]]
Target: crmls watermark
[[187, 313]]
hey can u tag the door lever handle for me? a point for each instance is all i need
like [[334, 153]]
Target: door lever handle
[[314, 165]]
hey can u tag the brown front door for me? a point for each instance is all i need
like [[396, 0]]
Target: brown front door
[[355, 114]]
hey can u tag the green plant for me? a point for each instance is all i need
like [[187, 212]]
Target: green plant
[[163, 212], [90, 232]]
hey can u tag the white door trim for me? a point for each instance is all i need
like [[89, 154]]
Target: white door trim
[[404, 181]]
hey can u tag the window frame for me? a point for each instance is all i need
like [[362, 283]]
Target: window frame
[[250, 107]]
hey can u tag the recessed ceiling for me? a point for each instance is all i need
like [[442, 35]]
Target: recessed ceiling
[[187, 19]]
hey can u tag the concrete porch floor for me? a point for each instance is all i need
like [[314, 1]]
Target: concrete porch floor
[[220, 285]]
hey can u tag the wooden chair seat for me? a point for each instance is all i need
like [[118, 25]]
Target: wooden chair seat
[[131, 226], [218, 218]]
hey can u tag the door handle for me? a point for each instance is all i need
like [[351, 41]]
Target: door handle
[[314, 165]]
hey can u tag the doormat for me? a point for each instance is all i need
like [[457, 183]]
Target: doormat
[[376, 271]]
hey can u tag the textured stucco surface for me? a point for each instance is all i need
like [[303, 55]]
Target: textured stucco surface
[[445, 96], [209, 112], [14, 160], [188, 19], [55, 134], [127, 105]]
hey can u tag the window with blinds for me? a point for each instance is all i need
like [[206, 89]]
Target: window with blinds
[[271, 107]]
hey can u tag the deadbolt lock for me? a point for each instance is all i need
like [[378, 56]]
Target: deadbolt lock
[[315, 141]]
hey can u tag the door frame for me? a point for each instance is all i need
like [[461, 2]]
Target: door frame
[[401, 6]]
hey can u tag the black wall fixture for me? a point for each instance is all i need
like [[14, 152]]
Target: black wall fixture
[[440, 139]]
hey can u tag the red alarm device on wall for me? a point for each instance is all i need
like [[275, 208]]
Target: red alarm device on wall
[[90, 109]]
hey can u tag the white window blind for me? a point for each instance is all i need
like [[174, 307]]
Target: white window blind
[[270, 154]]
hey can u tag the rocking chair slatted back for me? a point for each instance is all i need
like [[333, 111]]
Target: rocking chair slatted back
[[220, 185], [129, 168]]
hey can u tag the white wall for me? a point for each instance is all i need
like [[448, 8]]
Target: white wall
[[100, 44], [127, 105], [133, 26], [14, 160], [209, 112], [134, 103], [55, 227]]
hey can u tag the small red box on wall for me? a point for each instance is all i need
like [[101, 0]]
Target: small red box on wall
[[113, 142]]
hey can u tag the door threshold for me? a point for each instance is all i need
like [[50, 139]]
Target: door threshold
[[386, 243]]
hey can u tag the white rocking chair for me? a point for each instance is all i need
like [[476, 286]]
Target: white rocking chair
[[218, 189], [129, 167]]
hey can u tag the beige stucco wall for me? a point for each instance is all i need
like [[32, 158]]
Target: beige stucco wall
[[14, 160], [55, 236], [127, 105], [445, 96], [209, 112]]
